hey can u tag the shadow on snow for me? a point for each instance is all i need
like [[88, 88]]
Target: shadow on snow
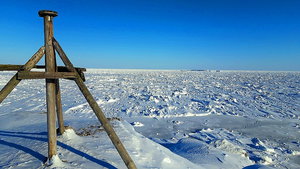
[[44, 139]]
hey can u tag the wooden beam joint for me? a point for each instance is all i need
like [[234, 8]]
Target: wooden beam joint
[[80, 70], [10, 67]]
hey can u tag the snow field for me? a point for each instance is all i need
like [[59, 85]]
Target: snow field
[[184, 119]]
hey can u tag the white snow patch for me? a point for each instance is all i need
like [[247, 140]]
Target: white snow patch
[[137, 124], [69, 134], [229, 147], [55, 162]]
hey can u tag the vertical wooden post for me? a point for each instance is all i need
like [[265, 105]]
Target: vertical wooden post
[[50, 83]]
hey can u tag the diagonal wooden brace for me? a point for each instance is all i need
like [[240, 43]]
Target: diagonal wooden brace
[[100, 115], [14, 81]]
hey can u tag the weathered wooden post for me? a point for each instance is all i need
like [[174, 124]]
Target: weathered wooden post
[[50, 63], [53, 96]]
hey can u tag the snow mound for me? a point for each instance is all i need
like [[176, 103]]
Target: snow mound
[[227, 146], [69, 134], [55, 162], [208, 156], [137, 124], [148, 154]]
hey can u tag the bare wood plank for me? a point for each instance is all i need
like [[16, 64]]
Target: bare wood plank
[[100, 115], [45, 75], [14, 81], [11, 67]]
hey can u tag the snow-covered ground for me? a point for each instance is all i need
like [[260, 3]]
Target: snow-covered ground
[[169, 119]]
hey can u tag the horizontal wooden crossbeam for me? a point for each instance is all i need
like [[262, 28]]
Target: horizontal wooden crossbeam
[[45, 75], [59, 69], [10, 67], [18, 67]]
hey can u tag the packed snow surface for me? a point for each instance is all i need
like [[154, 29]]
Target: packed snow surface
[[166, 119]]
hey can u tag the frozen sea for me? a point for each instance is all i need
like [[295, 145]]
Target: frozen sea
[[168, 119]]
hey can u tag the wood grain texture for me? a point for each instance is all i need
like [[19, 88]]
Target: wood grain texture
[[11, 67], [45, 75], [59, 113], [50, 63]]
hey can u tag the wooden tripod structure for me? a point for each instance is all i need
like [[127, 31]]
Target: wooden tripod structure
[[52, 75]]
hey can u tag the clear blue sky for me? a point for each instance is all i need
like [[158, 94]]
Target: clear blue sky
[[159, 34]]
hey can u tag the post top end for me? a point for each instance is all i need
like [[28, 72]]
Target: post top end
[[43, 13]]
